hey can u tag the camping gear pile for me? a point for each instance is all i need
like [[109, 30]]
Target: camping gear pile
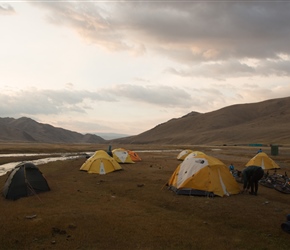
[[262, 160]]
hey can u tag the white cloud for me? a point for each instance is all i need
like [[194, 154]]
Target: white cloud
[[234, 68], [83, 64], [162, 95], [35, 101], [6, 9], [45, 101], [185, 32]]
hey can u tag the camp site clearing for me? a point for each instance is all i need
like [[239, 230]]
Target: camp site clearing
[[133, 208]]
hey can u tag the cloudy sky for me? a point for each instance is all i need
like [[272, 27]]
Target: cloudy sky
[[127, 66]]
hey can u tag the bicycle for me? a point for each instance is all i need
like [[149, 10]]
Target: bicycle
[[237, 175], [270, 181], [284, 187]]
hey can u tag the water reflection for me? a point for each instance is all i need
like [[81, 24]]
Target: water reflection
[[42, 154], [156, 150], [57, 157], [16, 155], [9, 166]]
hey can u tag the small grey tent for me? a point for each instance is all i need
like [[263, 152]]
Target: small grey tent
[[24, 180]]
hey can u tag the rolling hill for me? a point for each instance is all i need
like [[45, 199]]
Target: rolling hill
[[27, 130], [266, 122]]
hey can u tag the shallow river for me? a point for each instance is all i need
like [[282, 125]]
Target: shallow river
[[8, 166], [47, 158]]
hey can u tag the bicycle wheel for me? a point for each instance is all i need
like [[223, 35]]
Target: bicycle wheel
[[239, 179], [283, 189], [266, 183], [279, 182]]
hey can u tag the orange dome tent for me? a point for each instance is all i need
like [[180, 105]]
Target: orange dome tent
[[134, 156]]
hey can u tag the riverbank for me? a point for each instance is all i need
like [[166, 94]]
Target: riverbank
[[133, 209]]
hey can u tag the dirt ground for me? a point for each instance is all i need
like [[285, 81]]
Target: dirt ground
[[133, 209]]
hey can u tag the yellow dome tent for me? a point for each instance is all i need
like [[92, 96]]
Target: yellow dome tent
[[181, 156], [262, 160], [100, 163], [121, 155], [203, 175]]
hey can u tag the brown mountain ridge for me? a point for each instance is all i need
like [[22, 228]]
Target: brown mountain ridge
[[266, 122], [27, 130]]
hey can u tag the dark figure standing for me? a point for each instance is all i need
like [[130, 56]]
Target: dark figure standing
[[231, 167], [251, 177], [110, 151]]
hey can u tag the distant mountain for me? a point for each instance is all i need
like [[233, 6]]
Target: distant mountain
[[266, 122], [110, 136], [27, 130]]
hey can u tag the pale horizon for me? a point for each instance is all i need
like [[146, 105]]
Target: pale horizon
[[126, 66]]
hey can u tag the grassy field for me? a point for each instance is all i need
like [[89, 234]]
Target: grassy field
[[133, 209]]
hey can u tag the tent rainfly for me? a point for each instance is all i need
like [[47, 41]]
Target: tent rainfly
[[24, 180], [182, 155], [196, 154], [203, 175], [262, 160], [100, 163], [134, 156], [121, 155]]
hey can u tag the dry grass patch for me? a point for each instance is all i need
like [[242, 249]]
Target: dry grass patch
[[131, 209]]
